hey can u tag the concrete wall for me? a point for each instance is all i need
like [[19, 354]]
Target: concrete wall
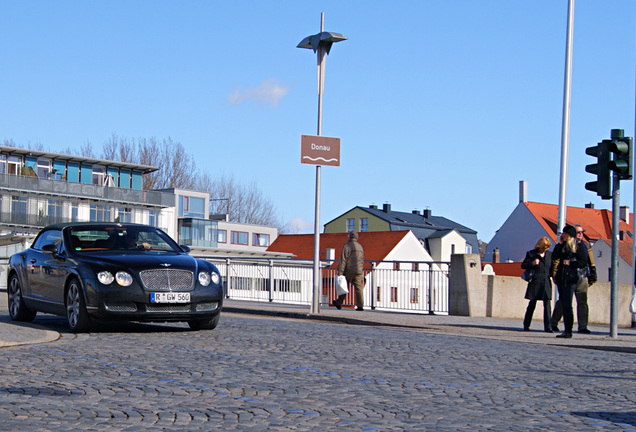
[[502, 296]]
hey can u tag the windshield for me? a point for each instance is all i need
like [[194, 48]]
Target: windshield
[[119, 238]]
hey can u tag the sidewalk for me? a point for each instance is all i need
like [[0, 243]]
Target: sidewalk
[[14, 333]]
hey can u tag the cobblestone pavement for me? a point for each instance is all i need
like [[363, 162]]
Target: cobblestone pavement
[[264, 373]]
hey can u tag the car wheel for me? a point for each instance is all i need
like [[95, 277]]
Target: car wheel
[[204, 324], [17, 310], [76, 315]]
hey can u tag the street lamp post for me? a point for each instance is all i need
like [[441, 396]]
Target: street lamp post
[[320, 43]]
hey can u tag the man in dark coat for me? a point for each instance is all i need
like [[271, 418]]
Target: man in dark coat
[[539, 261], [351, 262]]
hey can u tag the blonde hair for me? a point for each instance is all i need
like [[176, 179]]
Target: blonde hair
[[570, 244], [543, 243]]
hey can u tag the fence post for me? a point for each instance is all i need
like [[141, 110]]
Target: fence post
[[431, 310], [227, 278], [372, 289], [271, 281]]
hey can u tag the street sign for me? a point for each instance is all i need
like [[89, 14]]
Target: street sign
[[319, 150]]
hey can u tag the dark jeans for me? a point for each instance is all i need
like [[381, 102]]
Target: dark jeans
[[582, 309], [530, 311], [565, 297]]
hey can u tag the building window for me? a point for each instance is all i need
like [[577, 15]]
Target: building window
[[43, 168], [98, 175], [55, 211], [240, 238], [394, 294], [364, 224], [260, 240], [377, 295], [351, 224], [14, 165], [99, 213], [3, 164], [396, 266], [452, 249], [415, 266], [74, 212], [18, 209], [124, 214], [415, 295], [152, 218], [469, 248], [221, 236]]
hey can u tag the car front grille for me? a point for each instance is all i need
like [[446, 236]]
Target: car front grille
[[168, 308], [167, 279]]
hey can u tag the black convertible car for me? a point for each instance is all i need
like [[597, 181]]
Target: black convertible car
[[95, 271]]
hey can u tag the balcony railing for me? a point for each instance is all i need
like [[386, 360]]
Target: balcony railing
[[27, 184]]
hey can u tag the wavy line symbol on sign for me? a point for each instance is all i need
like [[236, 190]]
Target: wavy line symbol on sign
[[320, 159]]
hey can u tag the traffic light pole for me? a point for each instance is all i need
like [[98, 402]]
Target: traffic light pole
[[614, 268]]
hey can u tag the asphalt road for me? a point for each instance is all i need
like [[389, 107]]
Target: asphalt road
[[279, 374]]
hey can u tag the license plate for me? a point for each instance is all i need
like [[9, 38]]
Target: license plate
[[169, 297]]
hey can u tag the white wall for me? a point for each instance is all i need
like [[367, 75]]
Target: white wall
[[517, 235], [603, 259]]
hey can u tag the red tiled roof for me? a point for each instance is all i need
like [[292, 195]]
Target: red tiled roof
[[506, 268], [376, 245], [596, 223]]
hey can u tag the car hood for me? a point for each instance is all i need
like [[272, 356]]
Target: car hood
[[141, 260]]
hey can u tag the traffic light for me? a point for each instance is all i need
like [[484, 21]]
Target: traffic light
[[603, 184], [621, 149]]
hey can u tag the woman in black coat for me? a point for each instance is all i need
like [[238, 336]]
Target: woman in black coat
[[571, 256], [539, 261]]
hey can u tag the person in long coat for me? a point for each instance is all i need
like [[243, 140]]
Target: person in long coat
[[571, 256], [539, 261]]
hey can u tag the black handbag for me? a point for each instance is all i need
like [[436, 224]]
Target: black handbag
[[527, 275]]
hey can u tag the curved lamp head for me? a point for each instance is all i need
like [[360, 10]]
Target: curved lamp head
[[325, 39]]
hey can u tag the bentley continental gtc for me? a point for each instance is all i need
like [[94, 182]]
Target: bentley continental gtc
[[94, 271]]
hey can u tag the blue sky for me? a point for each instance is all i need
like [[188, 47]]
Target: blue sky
[[444, 104]]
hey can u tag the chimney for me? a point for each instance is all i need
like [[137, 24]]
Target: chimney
[[523, 191], [386, 208], [415, 212], [589, 205], [373, 206], [624, 214], [427, 213], [495, 255]]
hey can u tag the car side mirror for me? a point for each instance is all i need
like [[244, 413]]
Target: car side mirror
[[185, 248], [49, 248]]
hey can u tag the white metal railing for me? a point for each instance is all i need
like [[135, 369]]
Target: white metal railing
[[400, 286]]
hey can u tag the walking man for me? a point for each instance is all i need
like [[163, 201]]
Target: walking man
[[351, 261]]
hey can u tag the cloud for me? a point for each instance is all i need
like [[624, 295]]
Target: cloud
[[299, 225], [269, 92]]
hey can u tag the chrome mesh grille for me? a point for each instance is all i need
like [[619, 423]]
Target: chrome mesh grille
[[167, 308], [207, 306], [121, 307], [167, 279]]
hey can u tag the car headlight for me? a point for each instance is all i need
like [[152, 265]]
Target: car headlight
[[216, 278], [105, 277], [204, 278], [123, 278]]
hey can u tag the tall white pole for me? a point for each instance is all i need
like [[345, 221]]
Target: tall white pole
[[565, 127], [317, 285]]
